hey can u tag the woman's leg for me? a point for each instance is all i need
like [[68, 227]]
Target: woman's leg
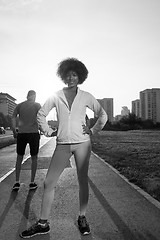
[[58, 162], [82, 155]]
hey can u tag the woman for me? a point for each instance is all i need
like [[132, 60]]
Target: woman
[[73, 138]]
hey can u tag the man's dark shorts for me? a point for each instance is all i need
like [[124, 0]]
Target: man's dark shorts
[[32, 139]]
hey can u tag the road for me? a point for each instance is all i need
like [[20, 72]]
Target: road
[[8, 156], [6, 135], [117, 210]]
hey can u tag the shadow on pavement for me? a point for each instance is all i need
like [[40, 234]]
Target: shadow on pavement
[[11, 200], [122, 227], [25, 213]]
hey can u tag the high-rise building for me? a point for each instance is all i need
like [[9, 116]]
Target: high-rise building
[[107, 104], [136, 107], [7, 104], [150, 104], [125, 111]]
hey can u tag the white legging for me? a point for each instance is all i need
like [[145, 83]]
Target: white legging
[[59, 161]]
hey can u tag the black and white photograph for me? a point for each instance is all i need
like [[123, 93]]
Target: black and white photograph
[[80, 119]]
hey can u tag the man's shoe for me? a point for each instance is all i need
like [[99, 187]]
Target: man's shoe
[[33, 186], [36, 229], [83, 225], [16, 186]]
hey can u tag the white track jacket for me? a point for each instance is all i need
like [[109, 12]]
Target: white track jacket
[[70, 121]]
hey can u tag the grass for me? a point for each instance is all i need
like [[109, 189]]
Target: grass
[[135, 154]]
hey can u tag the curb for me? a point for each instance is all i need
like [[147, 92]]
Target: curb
[[152, 200]]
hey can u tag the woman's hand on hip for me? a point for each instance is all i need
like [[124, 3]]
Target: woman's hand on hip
[[86, 130]]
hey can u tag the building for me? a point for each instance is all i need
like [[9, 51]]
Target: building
[[107, 104], [150, 104], [136, 107], [7, 104], [125, 111]]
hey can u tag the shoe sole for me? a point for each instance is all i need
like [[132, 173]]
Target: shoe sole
[[85, 233], [15, 189], [33, 188], [34, 234]]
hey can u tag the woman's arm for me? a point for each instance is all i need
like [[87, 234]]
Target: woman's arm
[[99, 113], [41, 118]]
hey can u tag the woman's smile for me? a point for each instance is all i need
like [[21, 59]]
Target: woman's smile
[[72, 79]]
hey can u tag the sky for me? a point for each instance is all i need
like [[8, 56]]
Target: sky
[[117, 40]]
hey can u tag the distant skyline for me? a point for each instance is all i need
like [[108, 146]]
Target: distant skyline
[[118, 41]]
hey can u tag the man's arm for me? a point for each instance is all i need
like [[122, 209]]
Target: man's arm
[[14, 123]]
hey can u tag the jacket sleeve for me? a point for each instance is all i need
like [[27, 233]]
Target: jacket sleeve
[[42, 114], [99, 113]]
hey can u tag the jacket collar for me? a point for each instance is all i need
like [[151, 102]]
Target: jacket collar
[[61, 95]]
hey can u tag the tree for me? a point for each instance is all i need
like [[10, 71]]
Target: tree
[[5, 121], [2, 120]]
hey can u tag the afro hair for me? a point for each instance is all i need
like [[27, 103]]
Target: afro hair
[[72, 64]]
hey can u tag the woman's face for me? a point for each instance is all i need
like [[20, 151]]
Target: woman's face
[[71, 79]]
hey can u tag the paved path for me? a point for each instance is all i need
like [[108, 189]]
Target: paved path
[[116, 210]]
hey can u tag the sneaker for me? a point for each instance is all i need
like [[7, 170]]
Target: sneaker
[[36, 229], [83, 225], [16, 186], [33, 186]]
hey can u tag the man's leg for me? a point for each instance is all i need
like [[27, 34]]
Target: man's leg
[[21, 145], [33, 167], [16, 186], [18, 166], [33, 139]]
